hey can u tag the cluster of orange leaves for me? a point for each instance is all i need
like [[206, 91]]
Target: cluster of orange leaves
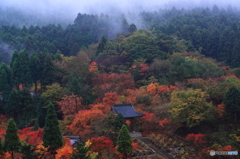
[[70, 105], [93, 67], [154, 88], [82, 121], [102, 145], [220, 110], [196, 138], [164, 122], [135, 145], [113, 82]]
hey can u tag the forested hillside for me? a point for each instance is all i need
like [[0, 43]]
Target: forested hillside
[[178, 67]]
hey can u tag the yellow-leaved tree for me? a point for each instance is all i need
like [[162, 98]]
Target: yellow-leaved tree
[[190, 107]]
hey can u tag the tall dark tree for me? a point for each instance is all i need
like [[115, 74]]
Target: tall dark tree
[[28, 152], [101, 45], [12, 143], [8, 72], [124, 142], [132, 28], [11, 108], [48, 71], [26, 108], [232, 102], [24, 64], [118, 121], [124, 26], [16, 70], [14, 58], [36, 68], [52, 137], [5, 88]]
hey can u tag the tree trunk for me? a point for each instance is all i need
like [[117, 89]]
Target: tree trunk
[[12, 155]]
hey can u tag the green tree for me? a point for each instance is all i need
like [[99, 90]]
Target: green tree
[[124, 142], [124, 26], [118, 121], [232, 102], [14, 58], [101, 45], [190, 107], [80, 151], [8, 72], [1, 148], [47, 77], [36, 68], [28, 152], [24, 64], [11, 108], [11, 142], [132, 28], [52, 137], [5, 88], [16, 69], [25, 107]]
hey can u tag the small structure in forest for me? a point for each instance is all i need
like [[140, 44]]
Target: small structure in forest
[[73, 139], [128, 112]]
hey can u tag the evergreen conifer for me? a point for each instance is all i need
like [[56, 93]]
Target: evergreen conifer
[[52, 137], [11, 142], [124, 142]]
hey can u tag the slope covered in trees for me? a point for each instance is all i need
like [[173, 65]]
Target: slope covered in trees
[[184, 88]]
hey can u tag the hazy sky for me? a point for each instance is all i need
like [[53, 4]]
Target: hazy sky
[[104, 5], [72, 7]]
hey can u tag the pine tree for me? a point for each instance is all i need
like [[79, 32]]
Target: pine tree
[[125, 26], [24, 64], [14, 58], [11, 107], [124, 142], [16, 69], [11, 142], [28, 152], [5, 88], [8, 72], [47, 77], [52, 137], [101, 45], [35, 66], [118, 122], [25, 106], [132, 28]]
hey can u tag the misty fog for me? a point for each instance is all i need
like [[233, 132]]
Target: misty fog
[[66, 11]]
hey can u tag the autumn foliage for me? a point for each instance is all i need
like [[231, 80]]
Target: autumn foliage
[[70, 105], [196, 138], [164, 122], [113, 82], [220, 110], [102, 145]]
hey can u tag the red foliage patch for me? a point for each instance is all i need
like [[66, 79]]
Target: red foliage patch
[[196, 138]]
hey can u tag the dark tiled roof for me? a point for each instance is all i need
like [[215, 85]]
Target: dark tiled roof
[[126, 110]]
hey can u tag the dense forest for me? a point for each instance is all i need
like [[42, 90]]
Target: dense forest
[[178, 67]]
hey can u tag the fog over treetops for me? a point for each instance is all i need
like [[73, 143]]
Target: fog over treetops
[[61, 10]]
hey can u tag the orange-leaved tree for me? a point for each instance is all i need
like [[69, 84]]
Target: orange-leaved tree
[[70, 105], [80, 126]]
